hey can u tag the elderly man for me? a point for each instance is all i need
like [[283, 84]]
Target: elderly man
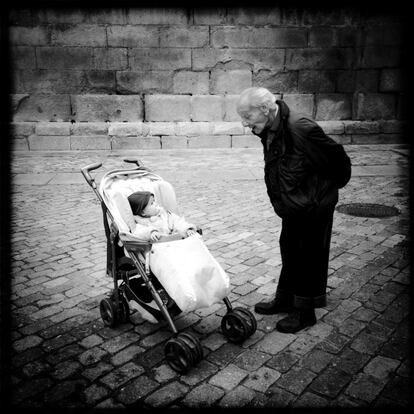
[[303, 170]]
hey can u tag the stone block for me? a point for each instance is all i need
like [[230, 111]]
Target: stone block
[[381, 56], [48, 143], [296, 380], [392, 126], [361, 127], [331, 382], [239, 397], [270, 345], [160, 59], [333, 106], [55, 15], [19, 144], [202, 396], [48, 81], [375, 106], [135, 143], [152, 81], [227, 128], [128, 129], [209, 16], [229, 377], [98, 82], [133, 36], [66, 58], [300, 102], [206, 108], [79, 35], [210, 141], [43, 107], [89, 128], [188, 36], [319, 58], [276, 82], [159, 128], [262, 379], [245, 141], [378, 139], [258, 37], [193, 128], [90, 142], [22, 129], [391, 80], [111, 16], [322, 36], [381, 367], [366, 80], [349, 36], [173, 142], [166, 395], [28, 36], [110, 59], [403, 107], [167, 108], [332, 127], [345, 81], [364, 387], [230, 113], [22, 57], [208, 58], [320, 16], [53, 128], [260, 15], [383, 34], [316, 81], [230, 81], [157, 15], [195, 83], [107, 108]]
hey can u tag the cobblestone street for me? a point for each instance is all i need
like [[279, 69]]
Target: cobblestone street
[[357, 355]]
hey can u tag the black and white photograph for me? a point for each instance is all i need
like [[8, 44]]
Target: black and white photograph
[[205, 206]]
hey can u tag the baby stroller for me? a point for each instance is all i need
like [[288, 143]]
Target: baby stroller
[[128, 264]]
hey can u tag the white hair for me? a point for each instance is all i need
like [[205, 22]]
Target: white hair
[[257, 97]]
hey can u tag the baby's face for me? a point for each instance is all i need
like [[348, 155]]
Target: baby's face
[[151, 209]]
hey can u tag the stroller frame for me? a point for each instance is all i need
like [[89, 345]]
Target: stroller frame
[[184, 349]]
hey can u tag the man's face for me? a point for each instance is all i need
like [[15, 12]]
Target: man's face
[[254, 118]]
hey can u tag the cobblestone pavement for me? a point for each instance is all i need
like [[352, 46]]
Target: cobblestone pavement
[[357, 355]]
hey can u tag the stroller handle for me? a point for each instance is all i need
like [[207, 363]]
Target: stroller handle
[[86, 170], [133, 161]]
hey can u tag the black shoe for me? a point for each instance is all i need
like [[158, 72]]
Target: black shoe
[[273, 307], [296, 320]]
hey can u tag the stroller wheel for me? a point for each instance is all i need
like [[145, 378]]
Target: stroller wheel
[[249, 318], [194, 344], [108, 312], [234, 327], [123, 312], [179, 355]]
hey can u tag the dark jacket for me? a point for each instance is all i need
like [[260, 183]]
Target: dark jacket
[[299, 165]]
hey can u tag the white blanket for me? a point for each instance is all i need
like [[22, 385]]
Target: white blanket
[[189, 273]]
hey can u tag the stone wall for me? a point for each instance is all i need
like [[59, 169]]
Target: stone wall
[[168, 78]]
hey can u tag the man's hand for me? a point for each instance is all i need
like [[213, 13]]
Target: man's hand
[[155, 235]]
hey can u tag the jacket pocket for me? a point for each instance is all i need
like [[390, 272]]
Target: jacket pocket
[[292, 172]]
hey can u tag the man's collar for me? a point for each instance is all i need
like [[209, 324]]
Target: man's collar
[[276, 121]]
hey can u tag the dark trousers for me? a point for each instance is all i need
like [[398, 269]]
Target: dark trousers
[[304, 246]]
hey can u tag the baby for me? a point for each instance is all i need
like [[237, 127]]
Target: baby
[[153, 221]]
